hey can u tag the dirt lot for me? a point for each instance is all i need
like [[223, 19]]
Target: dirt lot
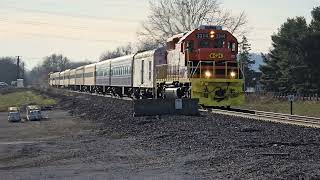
[[104, 141]]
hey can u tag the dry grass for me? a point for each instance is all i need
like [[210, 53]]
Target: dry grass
[[22, 98], [267, 103]]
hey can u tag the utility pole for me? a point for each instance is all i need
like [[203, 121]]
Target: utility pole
[[18, 67]]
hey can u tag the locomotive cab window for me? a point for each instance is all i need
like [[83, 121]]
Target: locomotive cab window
[[189, 46], [233, 47]]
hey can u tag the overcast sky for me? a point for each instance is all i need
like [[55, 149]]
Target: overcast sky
[[82, 29]]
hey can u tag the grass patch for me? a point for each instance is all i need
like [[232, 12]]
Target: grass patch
[[264, 103], [22, 98]]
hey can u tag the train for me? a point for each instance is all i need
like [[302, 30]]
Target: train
[[200, 64]]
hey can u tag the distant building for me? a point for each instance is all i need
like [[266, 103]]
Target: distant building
[[20, 83]]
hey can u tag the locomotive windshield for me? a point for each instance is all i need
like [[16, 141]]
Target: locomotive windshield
[[217, 41], [204, 44]]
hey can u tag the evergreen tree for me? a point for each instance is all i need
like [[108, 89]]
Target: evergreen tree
[[246, 62], [270, 73], [315, 23], [284, 65], [311, 47]]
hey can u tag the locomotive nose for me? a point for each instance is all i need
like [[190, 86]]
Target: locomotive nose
[[212, 54]]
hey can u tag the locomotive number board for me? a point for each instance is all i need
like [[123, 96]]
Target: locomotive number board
[[206, 36], [202, 36]]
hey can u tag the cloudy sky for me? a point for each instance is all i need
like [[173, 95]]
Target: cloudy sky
[[82, 29]]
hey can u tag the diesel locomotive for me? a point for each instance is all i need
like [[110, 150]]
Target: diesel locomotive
[[198, 64]]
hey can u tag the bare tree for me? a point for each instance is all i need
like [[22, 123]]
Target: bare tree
[[55, 62], [146, 45], [119, 51], [52, 63], [170, 17]]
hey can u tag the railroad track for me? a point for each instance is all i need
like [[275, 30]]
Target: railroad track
[[271, 117], [250, 114]]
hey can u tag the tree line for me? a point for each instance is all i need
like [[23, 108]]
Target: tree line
[[293, 64], [52, 63], [9, 69]]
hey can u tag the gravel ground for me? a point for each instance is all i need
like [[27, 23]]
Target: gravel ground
[[116, 145]]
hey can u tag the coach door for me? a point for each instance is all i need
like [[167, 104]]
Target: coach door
[[142, 71]]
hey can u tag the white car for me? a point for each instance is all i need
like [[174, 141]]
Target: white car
[[33, 113], [3, 85], [14, 114]]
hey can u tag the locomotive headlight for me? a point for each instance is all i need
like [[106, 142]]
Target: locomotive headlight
[[208, 74], [233, 74], [212, 34]]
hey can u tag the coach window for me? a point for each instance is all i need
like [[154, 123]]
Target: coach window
[[150, 70]]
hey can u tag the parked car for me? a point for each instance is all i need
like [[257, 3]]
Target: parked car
[[14, 114], [3, 85], [33, 113]]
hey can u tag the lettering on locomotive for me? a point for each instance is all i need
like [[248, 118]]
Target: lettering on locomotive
[[216, 55]]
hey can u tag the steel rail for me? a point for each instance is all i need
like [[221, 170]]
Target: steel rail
[[305, 121]]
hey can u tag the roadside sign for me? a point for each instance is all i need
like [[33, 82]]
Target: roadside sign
[[291, 98], [178, 104]]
